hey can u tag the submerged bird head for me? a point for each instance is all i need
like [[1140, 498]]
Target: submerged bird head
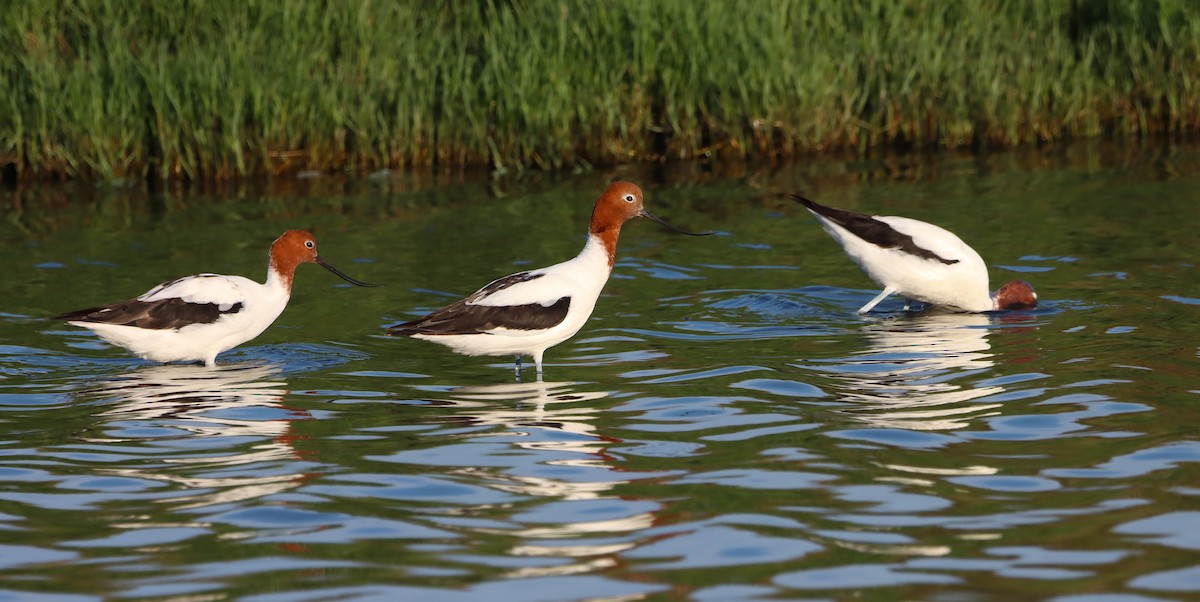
[[620, 202], [296, 247], [1017, 294]]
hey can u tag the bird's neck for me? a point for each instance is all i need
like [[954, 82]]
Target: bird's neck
[[603, 236], [280, 276], [600, 251]]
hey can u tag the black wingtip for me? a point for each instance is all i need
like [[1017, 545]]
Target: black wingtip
[[810, 204], [79, 314], [841, 217], [406, 329]]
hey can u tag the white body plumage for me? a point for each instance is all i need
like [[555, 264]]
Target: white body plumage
[[529, 312], [919, 261], [580, 280], [194, 318], [962, 285], [260, 304]]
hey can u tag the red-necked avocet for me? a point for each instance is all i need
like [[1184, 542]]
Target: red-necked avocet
[[918, 261], [196, 317], [529, 312]]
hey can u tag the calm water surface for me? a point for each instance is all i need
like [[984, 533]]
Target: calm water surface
[[724, 428]]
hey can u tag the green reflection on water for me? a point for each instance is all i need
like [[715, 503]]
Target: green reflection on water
[[724, 379]]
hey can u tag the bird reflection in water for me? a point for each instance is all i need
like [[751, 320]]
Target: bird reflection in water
[[540, 440], [221, 431], [911, 376], [549, 417]]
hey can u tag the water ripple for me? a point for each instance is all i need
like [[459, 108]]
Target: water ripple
[[725, 427]]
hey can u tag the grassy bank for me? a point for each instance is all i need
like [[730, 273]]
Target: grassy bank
[[221, 88]]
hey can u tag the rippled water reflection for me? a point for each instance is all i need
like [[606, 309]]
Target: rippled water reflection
[[725, 428]]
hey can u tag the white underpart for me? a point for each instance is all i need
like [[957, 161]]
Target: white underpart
[[961, 286], [261, 305], [581, 279]]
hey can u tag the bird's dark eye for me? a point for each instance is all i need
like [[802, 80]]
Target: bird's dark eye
[[629, 198], [309, 244]]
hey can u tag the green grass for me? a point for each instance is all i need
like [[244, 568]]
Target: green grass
[[223, 88]]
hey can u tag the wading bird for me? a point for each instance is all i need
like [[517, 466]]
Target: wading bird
[[918, 261], [529, 312], [196, 317]]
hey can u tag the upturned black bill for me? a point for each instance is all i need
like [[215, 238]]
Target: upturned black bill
[[651, 216], [321, 262]]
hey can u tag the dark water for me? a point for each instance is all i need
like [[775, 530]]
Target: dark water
[[724, 428]]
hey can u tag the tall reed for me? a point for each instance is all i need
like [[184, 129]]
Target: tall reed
[[222, 88]]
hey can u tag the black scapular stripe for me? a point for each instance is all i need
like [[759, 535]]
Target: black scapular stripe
[[500, 284], [462, 317], [467, 317], [163, 314], [872, 230]]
